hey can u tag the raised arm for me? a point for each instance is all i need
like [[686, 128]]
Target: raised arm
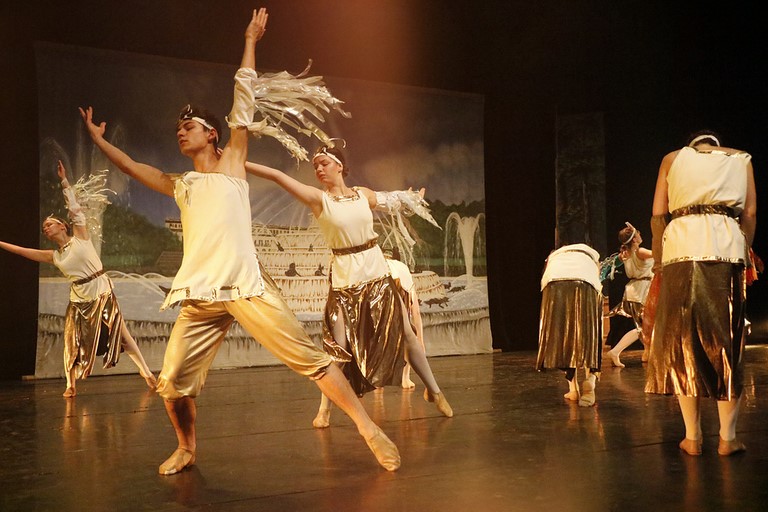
[[145, 174], [76, 215], [236, 151], [312, 197], [41, 255]]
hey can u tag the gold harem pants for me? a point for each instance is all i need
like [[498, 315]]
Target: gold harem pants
[[202, 325]]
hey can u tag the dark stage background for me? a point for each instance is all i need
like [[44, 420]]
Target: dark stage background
[[655, 70]]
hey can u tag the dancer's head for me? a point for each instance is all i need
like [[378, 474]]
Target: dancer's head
[[54, 227], [703, 137], [328, 161], [629, 236], [197, 128]]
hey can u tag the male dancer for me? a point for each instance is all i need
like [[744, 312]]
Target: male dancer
[[220, 279]]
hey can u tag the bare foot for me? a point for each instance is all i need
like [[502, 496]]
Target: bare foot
[[69, 393], [572, 396], [323, 419], [151, 381], [180, 459]]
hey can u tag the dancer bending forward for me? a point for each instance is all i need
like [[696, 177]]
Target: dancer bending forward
[[220, 279], [92, 313], [366, 323]]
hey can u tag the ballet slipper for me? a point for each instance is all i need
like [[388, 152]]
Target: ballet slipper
[[691, 446], [439, 399], [384, 449], [323, 419], [180, 459], [726, 448], [587, 394], [151, 381], [615, 361], [70, 392]]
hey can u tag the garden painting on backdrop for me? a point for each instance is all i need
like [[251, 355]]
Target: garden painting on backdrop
[[396, 138]]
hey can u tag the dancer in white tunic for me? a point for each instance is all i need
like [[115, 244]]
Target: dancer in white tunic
[[708, 192], [638, 267], [220, 279], [366, 326], [93, 312]]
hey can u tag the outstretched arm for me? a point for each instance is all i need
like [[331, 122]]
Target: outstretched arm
[[312, 197], [236, 151], [145, 174], [41, 255], [76, 215]]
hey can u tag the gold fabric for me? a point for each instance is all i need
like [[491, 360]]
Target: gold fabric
[[202, 325], [570, 330], [649, 310], [373, 321], [698, 336], [92, 329]]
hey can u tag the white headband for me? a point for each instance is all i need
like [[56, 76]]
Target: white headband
[[634, 232], [322, 152], [703, 137]]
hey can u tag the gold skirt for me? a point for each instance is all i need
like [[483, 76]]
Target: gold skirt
[[92, 329], [372, 314], [698, 336], [570, 329]]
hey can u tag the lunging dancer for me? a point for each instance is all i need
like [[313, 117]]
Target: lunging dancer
[[220, 279]]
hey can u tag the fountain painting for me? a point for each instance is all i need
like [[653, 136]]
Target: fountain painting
[[430, 139]]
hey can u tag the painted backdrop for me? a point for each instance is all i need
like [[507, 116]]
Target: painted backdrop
[[397, 137]]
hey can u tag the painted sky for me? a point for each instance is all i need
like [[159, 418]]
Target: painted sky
[[397, 137]]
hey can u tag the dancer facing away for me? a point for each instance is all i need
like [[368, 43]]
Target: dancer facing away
[[708, 191], [638, 265], [220, 279], [93, 311], [366, 324], [570, 334]]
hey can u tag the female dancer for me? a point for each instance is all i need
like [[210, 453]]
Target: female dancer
[[366, 323], [221, 279], [638, 265], [698, 338], [570, 334], [92, 302]]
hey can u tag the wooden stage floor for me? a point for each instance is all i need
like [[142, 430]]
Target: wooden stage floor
[[514, 444]]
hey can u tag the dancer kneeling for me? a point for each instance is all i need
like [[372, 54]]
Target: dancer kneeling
[[570, 335]]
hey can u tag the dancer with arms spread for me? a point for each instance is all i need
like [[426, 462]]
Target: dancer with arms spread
[[221, 279], [93, 312], [366, 323], [704, 210]]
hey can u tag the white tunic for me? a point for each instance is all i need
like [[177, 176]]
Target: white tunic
[[78, 260], [706, 178], [639, 272], [220, 261], [348, 222], [573, 262], [401, 272]]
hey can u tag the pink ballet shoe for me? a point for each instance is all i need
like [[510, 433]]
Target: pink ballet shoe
[[439, 399], [384, 449], [177, 462], [726, 448], [615, 361], [691, 446], [323, 419], [587, 398]]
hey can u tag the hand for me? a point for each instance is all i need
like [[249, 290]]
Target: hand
[[96, 132], [257, 26], [61, 171]]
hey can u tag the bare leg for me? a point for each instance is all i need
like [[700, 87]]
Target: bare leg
[[182, 413], [406, 381], [337, 389], [728, 411], [628, 339], [132, 349], [689, 407]]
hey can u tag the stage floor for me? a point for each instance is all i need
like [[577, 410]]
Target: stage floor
[[514, 444]]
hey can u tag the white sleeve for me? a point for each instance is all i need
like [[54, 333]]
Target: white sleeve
[[76, 214]]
